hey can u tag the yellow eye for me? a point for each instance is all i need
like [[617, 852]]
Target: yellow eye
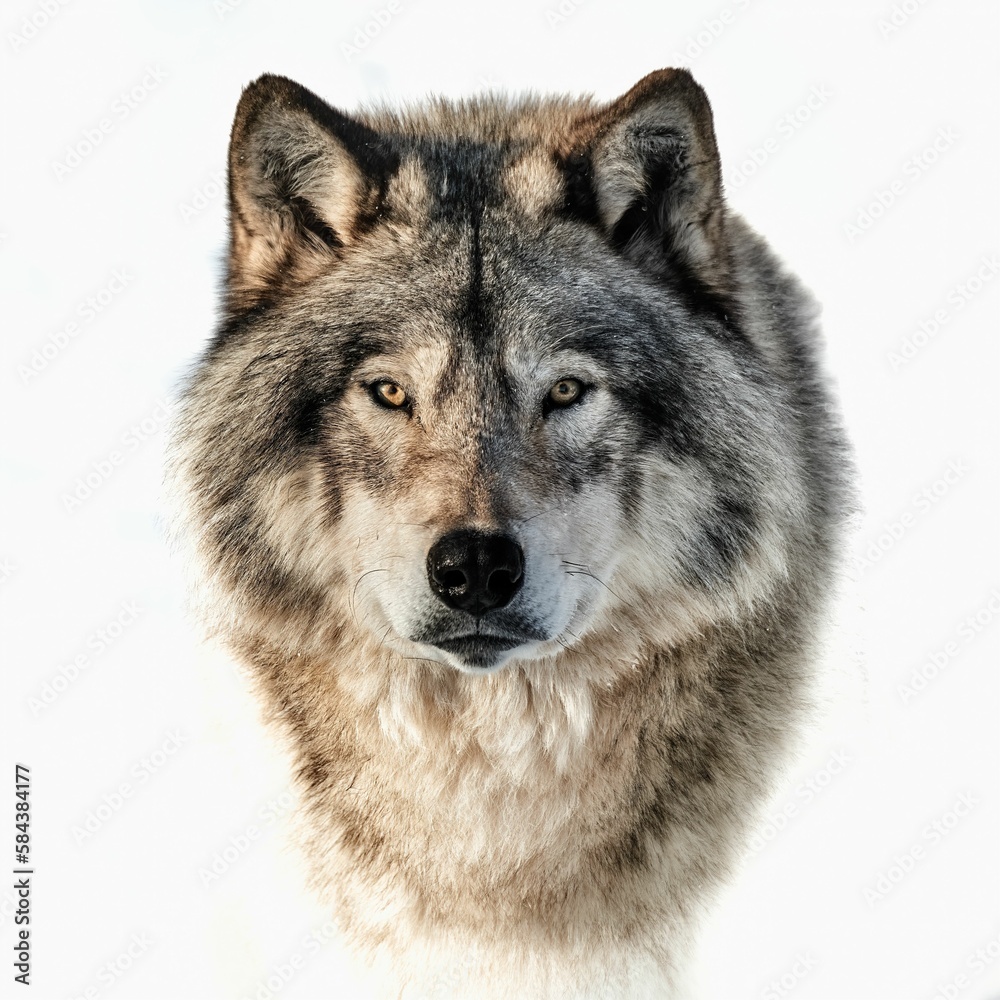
[[390, 394], [565, 391]]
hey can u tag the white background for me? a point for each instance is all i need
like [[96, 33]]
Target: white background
[[104, 683]]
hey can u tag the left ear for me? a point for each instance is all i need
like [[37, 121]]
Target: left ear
[[655, 177], [304, 183]]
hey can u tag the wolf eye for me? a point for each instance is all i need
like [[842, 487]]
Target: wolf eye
[[565, 392], [391, 395]]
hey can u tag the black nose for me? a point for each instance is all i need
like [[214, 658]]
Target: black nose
[[475, 572]]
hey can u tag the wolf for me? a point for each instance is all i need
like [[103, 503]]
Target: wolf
[[513, 476]]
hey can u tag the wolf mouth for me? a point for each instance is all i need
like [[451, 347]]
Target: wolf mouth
[[478, 649]]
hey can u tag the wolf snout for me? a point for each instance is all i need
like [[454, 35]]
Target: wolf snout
[[474, 571]]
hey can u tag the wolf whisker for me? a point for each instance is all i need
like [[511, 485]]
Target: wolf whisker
[[355, 590], [385, 634], [541, 513], [578, 572]]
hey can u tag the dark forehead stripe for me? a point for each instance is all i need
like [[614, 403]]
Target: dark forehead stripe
[[473, 315], [464, 178], [477, 307], [463, 175]]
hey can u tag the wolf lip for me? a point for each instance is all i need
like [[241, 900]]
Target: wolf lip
[[460, 643], [477, 649]]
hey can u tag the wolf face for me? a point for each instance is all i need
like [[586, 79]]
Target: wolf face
[[512, 474], [485, 385]]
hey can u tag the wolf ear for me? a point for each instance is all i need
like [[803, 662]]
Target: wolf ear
[[647, 171], [304, 182]]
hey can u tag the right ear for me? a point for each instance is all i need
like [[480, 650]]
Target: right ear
[[304, 182], [647, 166]]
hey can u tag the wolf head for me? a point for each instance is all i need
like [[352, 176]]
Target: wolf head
[[489, 381]]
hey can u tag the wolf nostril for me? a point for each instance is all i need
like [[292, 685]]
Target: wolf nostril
[[475, 572], [452, 579], [502, 579]]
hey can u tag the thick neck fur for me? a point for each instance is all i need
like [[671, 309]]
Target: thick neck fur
[[588, 802]]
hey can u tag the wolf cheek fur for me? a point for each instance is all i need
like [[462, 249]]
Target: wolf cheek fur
[[512, 474]]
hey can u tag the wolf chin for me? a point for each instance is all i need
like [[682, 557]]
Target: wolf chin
[[512, 475]]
